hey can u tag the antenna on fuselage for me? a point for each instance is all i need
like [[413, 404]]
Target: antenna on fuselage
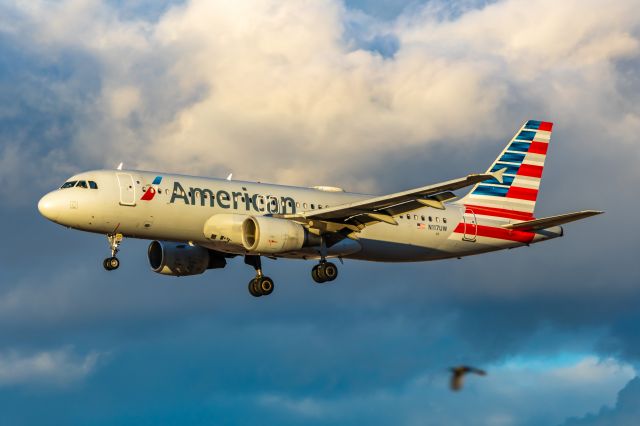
[[230, 176], [120, 166]]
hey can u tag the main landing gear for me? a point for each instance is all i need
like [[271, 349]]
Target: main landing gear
[[111, 263], [324, 271], [260, 285]]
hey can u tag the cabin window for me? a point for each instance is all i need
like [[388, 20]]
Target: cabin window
[[82, 184], [444, 220], [319, 206], [415, 217], [430, 219], [297, 205], [69, 184], [422, 217], [304, 205], [438, 219], [313, 206], [93, 185]]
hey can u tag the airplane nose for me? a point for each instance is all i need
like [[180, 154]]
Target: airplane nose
[[48, 207]]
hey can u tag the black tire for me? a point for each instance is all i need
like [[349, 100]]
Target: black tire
[[266, 286], [105, 264], [330, 271], [317, 273], [114, 263], [252, 288]]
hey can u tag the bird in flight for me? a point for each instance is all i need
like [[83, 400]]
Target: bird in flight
[[458, 373]]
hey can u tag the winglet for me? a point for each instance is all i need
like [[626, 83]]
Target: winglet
[[120, 166], [230, 176], [498, 175]]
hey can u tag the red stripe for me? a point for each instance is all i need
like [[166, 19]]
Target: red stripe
[[546, 126], [499, 233], [496, 212], [522, 193], [538, 148], [530, 170]]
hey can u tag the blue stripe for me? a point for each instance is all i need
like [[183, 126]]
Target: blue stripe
[[519, 146], [526, 135], [533, 124], [511, 170], [491, 190], [512, 157], [157, 180], [506, 180]]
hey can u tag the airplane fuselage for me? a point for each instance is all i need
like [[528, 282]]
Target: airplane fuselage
[[178, 208]]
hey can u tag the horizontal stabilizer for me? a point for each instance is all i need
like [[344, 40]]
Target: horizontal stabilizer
[[547, 222]]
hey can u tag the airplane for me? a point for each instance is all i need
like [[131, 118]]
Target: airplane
[[197, 223]]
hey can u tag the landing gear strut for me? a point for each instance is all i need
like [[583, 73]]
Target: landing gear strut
[[111, 263], [260, 285], [324, 271]]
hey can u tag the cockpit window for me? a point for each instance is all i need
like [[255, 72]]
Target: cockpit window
[[93, 185], [82, 184], [69, 184]]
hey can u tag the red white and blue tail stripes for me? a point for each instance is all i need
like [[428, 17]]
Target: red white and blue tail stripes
[[523, 161]]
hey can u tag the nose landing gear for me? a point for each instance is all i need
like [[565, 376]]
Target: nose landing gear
[[111, 263], [260, 285]]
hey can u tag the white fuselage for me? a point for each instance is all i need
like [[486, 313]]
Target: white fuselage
[[181, 206]]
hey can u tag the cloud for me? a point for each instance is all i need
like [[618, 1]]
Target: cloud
[[58, 367], [625, 412]]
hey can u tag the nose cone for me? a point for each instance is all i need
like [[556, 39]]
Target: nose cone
[[49, 207]]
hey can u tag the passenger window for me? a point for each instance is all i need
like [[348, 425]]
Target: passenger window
[[408, 216], [319, 206], [444, 220], [438, 219], [93, 185], [415, 217], [430, 219], [297, 204], [422, 217], [304, 205], [82, 184], [69, 184], [313, 206]]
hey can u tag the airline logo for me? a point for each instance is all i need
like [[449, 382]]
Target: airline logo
[[152, 190]]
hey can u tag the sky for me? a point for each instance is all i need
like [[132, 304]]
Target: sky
[[370, 96]]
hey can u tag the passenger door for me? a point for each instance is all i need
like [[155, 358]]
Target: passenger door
[[127, 189], [470, 225]]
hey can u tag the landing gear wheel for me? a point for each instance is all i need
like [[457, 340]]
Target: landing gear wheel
[[317, 273], [265, 285], [253, 288], [111, 263], [330, 271]]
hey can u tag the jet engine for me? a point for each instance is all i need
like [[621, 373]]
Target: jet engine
[[181, 259], [262, 234]]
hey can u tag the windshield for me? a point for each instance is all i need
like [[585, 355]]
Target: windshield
[[69, 184]]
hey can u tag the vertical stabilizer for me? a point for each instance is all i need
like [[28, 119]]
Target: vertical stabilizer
[[522, 163]]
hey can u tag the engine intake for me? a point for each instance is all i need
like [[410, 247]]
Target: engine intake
[[262, 234], [179, 259]]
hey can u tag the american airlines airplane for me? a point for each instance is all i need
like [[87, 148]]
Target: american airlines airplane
[[197, 223]]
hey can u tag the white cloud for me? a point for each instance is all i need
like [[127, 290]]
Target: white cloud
[[277, 91], [59, 367]]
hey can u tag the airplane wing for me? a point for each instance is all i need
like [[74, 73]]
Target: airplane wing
[[546, 222], [355, 216]]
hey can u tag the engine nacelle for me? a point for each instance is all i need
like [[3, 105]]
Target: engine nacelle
[[181, 259], [262, 234]]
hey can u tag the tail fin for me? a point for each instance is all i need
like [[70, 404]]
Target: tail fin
[[523, 162]]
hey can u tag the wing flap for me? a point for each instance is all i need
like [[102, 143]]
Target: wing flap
[[547, 222]]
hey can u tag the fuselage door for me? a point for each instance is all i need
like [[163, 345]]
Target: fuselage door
[[127, 189], [470, 225]]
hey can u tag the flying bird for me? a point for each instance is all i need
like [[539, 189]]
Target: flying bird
[[458, 373]]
